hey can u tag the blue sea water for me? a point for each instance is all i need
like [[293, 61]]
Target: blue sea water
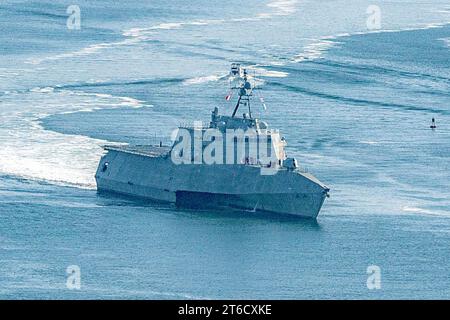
[[354, 104]]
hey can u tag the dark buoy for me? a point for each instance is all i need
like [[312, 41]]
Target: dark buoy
[[433, 123]]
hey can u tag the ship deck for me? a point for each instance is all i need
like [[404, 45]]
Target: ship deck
[[143, 150]]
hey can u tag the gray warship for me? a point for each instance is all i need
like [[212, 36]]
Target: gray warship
[[234, 161]]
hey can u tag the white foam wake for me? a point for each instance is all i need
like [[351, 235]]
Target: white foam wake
[[446, 41], [94, 48], [255, 74], [418, 210], [283, 7], [262, 72], [280, 8], [315, 49], [202, 79], [29, 151], [319, 46], [136, 35]]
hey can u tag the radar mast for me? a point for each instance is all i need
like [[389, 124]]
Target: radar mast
[[245, 91]]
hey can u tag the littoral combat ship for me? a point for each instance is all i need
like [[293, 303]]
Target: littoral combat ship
[[234, 162]]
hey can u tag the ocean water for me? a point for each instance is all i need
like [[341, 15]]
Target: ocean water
[[354, 104]]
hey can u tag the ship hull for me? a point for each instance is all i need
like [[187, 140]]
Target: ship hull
[[304, 205], [199, 186]]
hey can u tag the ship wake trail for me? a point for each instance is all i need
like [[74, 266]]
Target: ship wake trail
[[31, 152], [358, 101], [134, 36]]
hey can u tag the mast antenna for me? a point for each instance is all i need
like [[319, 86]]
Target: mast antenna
[[245, 90]]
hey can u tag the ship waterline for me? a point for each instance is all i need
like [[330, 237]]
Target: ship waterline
[[149, 175]]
